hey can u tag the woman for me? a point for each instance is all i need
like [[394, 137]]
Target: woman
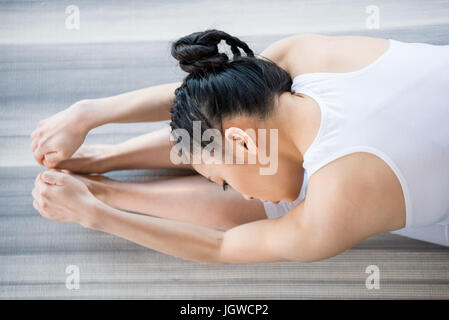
[[365, 117]]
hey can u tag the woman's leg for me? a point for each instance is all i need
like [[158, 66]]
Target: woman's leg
[[189, 198], [148, 151]]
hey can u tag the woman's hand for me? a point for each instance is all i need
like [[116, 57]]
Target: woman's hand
[[56, 138], [63, 198]]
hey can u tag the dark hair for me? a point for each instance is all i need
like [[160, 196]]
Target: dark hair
[[216, 88]]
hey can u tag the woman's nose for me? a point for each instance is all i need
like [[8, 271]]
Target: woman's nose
[[248, 197]]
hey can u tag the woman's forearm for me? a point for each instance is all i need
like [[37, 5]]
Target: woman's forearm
[[148, 151], [143, 105], [180, 239]]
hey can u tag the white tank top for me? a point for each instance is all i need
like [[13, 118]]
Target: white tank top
[[396, 108]]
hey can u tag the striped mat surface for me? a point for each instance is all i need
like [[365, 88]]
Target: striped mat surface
[[44, 68]]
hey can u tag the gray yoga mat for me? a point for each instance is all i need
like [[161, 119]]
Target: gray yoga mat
[[123, 46]]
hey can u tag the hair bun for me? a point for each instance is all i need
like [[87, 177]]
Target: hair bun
[[199, 50]]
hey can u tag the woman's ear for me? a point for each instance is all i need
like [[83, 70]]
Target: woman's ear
[[244, 142]]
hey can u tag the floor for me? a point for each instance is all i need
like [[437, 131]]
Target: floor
[[123, 46]]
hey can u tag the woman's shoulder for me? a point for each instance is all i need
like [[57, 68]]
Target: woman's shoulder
[[311, 52], [361, 183], [303, 48]]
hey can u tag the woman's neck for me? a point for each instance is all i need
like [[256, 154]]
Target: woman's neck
[[297, 119]]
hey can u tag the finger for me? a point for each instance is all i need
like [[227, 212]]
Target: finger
[[36, 133], [35, 138], [38, 179], [51, 159], [42, 190], [38, 183], [39, 154], [53, 177], [34, 144], [35, 193], [36, 206]]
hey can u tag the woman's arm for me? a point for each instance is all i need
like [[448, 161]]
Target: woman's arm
[[313, 230], [143, 105], [147, 151], [246, 243], [288, 238], [61, 197], [59, 136]]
